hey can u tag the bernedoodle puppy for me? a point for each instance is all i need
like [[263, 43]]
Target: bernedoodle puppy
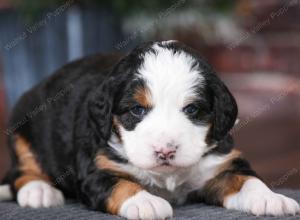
[[132, 135]]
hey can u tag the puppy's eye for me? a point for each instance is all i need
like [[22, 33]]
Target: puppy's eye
[[138, 111], [191, 109]]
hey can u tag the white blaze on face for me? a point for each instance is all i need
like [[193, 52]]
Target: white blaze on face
[[171, 80]]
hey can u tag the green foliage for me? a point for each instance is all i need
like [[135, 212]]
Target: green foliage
[[222, 5], [32, 8]]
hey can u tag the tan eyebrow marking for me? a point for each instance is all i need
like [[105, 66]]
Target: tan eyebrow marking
[[143, 96]]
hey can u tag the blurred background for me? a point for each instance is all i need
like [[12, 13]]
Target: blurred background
[[253, 45]]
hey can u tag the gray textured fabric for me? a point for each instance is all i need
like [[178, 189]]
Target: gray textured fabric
[[11, 211]]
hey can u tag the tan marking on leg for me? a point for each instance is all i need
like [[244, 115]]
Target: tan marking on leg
[[22, 180], [104, 163], [221, 187], [227, 164], [143, 96], [235, 185], [225, 182], [122, 191], [28, 165]]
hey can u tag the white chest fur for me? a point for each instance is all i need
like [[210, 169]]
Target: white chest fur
[[174, 186]]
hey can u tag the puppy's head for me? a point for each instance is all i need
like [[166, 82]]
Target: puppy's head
[[166, 106]]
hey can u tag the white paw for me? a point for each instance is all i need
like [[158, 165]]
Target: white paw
[[144, 205], [39, 194], [256, 198]]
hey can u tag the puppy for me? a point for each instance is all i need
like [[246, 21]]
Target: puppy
[[132, 135]]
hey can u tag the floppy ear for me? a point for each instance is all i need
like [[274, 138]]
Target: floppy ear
[[100, 109], [100, 106], [224, 108]]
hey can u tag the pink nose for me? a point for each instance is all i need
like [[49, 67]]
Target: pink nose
[[165, 154]]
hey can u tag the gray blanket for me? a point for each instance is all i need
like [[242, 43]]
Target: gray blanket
[[10, 210]]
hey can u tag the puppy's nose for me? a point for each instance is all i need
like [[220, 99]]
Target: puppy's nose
[[165, 154]]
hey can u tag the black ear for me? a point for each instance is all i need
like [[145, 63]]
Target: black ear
[[101, 102], [100, 109], [224, 108]]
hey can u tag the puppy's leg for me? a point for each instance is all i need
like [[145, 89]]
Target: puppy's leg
[[237, 187], [129, 200], [33, 187], [110, 189], [255, 197]]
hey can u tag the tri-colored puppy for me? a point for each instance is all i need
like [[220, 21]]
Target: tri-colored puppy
[[132, 135]]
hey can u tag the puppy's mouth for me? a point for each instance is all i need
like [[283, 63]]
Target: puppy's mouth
[[165, 164], [165, 167]]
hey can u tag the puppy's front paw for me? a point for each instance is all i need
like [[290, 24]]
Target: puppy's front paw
[[39, 194], [256, 198], [144, 205]]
